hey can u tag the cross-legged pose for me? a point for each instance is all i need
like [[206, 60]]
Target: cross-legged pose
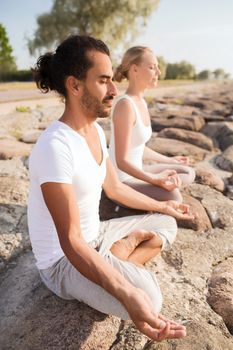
[[79, 257], [131, 129]]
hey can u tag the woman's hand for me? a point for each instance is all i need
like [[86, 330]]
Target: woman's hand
[[180, 160], [167, 179]]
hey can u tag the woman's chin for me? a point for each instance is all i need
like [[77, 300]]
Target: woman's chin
[[153, 84]]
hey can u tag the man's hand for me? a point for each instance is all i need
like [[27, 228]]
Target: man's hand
[[180, 160], [177, 210], [153, 325], [167, 179]]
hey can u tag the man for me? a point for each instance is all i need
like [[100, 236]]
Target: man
[[77, 256]]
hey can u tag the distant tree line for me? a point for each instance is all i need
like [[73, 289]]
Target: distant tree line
[[185, 70], [115, 22]]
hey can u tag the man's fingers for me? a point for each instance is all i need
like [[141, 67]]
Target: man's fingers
[[184, 208], [166, 333], [151, 329]]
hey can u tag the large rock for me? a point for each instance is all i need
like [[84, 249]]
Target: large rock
[[208, 177], [221, 291], [191, 123], [225, 160], [34, 318], [209, 105], [50, 114], [14, 236], [13, 190], [30, 136], [13, 148], [201, 221], [195, 138], [171, 147], [13, 168], [16, 123], [219, 208], [220, 132], [224, 135]]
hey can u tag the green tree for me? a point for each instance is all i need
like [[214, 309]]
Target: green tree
[[181, 70], [7, 61], [162, 66], [115, 22], [219, 73], [204, 75]]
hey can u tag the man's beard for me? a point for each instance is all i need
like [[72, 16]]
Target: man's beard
[[93, 105]]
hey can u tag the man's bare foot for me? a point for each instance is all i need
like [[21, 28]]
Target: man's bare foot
[[125, 246]]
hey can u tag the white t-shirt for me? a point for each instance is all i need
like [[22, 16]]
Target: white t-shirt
[[62, 155], [140, 135]]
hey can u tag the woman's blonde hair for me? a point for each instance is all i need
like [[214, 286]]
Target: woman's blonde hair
[[131, 56]]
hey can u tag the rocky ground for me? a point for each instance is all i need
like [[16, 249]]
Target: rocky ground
[[196, 274]]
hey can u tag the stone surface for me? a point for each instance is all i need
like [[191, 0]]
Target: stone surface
[[201, 221], [13, 190], [219, 208], [171, 147], [209, 177], [14, 236], [225, 159], [177, 122], [13, 168], [17, 123], [220, 295], [13, 148], [195, 138], [34, 318], [224, 135], [30, 136]]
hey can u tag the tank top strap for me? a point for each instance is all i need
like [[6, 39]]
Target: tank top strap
[[127, 97]]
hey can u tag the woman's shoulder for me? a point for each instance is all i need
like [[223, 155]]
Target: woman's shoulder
[[123, 103]]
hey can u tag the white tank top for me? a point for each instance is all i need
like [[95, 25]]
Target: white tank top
[[140, 135]]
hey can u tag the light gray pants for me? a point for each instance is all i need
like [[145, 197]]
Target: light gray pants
[[186, 174], [65, 281]]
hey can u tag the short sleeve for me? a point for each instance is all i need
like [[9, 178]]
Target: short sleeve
[[51, 161]]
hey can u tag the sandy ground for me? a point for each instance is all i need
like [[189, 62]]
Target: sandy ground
[[10, 98]]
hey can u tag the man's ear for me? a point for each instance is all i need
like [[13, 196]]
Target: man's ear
[[73, 85]]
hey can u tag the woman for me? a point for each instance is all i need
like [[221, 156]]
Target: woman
[[131, 129]]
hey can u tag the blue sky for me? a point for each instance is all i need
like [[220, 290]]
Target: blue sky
[[199, 31]]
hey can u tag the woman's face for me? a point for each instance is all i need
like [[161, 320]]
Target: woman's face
[[148, 70]]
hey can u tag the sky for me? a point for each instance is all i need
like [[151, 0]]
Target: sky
[[198, 31]]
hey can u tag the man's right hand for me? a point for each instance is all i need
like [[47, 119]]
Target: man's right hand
[[153, 325], [177, 210]]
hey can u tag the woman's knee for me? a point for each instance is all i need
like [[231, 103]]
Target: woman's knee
[[188, 175], [175, 195]]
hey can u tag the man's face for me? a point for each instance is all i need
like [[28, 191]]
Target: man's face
[[98, 90]]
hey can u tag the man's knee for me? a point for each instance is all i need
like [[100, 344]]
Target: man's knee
[[169, 231], [154, 293], [172, 229]]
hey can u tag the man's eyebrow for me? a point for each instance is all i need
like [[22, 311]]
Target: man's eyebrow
[[104, 76]]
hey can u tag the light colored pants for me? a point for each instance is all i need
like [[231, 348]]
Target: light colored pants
[[185, 173], [66, 281]]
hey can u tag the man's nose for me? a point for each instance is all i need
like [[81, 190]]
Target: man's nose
[[112, 89]]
